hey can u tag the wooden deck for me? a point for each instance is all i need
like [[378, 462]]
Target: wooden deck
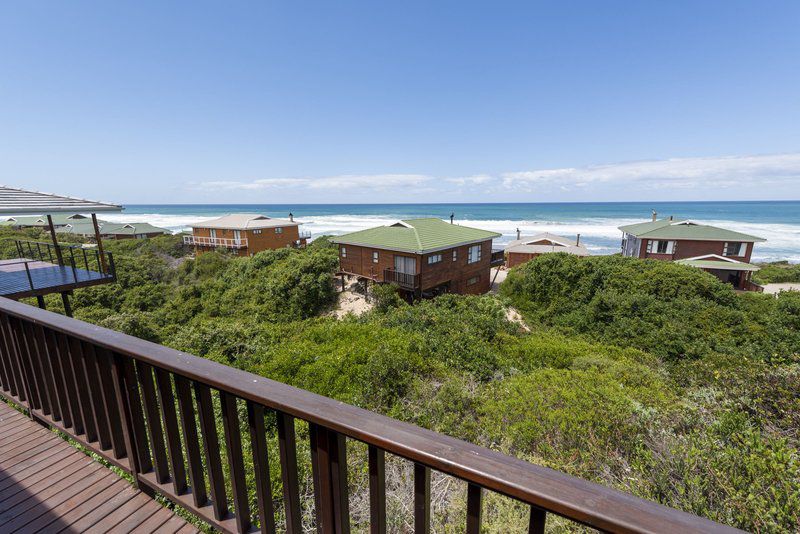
[[46, 485], [46, 278]]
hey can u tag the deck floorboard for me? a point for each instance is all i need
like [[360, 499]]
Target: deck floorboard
[[46, 485], [46, 278]]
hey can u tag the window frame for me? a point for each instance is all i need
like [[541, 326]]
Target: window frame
[[741, 250], [343, 252], [433, 259], [374, 256], [471, 253], [472, 280]]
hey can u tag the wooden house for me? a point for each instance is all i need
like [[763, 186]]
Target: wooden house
[[524, 249], [424, 257], [109, 230], [246, 234], [724, 253]]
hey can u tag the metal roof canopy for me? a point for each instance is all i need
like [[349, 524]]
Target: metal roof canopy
[[14, 201]]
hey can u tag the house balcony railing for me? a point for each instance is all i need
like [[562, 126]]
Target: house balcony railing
[[42, 268], [498, 258], [152, 411], [223, 242], [404, 280], [305, 235]]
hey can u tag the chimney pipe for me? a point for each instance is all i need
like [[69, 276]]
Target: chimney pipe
[[655, 215], [518, 235], [452, 216], [291, 216], [578, 240]]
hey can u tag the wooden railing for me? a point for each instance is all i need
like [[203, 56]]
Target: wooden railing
[[404, 280], [71, 256], [152, 412], [214, 241]]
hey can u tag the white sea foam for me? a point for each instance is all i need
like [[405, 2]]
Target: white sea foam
[[600, 235]]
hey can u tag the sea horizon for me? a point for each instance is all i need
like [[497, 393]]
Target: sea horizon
[[778, 221]]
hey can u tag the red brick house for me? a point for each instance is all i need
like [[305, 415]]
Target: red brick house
[[424, 257], [724, 253]]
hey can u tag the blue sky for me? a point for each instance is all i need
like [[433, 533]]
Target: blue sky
[[400, 102]]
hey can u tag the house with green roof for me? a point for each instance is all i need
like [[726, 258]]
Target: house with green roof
[[110, 230], [724, 253], [424, 257]]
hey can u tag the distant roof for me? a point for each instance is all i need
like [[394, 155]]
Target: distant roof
[[685, 229], [109, 228], [244, 221], [59, 219], [534, 245], [15, 201], [717, 262], [417, 236]]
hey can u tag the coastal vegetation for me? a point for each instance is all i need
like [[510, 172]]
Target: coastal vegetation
[[777, 272], [650, 377]]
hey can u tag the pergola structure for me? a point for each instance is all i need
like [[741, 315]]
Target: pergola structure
[[26, 277]]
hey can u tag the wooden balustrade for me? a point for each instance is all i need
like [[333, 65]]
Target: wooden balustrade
[[404, 280], [153, 411]]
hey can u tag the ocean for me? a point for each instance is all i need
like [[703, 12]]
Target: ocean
[[778, 222]]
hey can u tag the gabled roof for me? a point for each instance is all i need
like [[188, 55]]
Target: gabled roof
[[536, 245], [244, 221], [717, 262], [15, 201], [685, 229], [417, 236], [59, 219], [109, 228]]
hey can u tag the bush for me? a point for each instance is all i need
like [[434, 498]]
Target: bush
[[670, 310]]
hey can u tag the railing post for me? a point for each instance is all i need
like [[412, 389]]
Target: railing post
[[377, 490], [72, 262], [28, 272], [422, 499], [330, 482]]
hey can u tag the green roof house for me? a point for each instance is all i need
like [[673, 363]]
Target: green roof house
[[109, 230], [424, 257], [719, 251]]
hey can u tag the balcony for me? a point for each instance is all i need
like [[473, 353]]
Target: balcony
[[153, 412], [222, 242], [305, 235], [404, 280], [43, 268], [498, 258]]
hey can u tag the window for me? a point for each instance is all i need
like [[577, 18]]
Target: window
[[455, 255], [344, 252], [434, 258], [474, 254], [256, 231], [212, 233], [660, 247], [474, 280], [374, 257], [735, 249], [279, 230]]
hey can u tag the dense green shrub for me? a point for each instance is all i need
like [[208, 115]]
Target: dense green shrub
[[777, 272], [670, 310]]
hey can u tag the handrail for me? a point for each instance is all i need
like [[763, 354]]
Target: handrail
[[215, 241], [43, 252], [65, 370], [406, 280]]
